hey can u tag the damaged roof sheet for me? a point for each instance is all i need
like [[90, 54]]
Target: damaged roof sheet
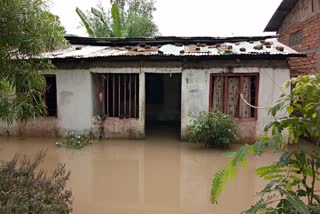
[[267, 46]]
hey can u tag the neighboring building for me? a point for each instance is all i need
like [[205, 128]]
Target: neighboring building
[[140, 83], [298, 24]]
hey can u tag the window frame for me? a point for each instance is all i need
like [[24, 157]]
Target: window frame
[[225, 88], [295, 38], [101, 85]]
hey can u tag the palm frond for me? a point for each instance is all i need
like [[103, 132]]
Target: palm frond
[[116, 27], [85, 21]]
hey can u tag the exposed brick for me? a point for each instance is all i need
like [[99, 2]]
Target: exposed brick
[[310, 44]]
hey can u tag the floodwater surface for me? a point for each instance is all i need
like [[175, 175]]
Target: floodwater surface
[[156, 175]]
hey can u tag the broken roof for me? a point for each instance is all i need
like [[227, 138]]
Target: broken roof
[[213, 47], [280, 14]]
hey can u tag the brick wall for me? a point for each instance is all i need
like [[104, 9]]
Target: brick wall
[[305, 38]]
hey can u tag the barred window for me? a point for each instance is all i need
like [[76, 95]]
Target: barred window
[[226, 90], [117, 95]]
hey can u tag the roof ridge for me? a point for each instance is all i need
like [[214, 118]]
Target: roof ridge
[[114, 41]]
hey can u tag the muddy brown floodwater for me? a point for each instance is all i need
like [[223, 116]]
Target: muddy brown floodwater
[[156, 175]]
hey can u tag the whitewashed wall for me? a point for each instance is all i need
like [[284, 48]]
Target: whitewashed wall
[[195, 96], [74, 99], [75, 102]]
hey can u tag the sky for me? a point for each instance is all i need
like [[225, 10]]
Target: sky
[[186, 17]]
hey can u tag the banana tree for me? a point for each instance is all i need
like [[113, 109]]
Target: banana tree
[[100, 25], [85, 21], [116, 27], [127, 18]]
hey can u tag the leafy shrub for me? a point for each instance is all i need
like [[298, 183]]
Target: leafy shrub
[[75, 141], [212, 128], [24, 188], [292, 186]]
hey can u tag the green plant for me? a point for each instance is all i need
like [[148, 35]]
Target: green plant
[[116, 27], [127, 18], [100, 120], [212, 128], [27, 29], [296, 113], [24, 188], [75, 141], [291, 179]]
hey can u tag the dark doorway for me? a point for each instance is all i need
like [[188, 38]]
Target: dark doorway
[[163, 103]]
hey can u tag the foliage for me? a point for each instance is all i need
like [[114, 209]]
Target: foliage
[[100, 121], [229, 171], [302, 106], [85, 22], [292, 179], [128, 18], [27, 189], [116, 27], [212, 128], [27, 29], [296, 112], [75, 141]]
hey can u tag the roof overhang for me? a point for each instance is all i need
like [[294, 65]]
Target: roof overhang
[[178, 58], [280, 14]]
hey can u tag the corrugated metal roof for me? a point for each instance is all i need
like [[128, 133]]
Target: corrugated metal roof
[[269, 46]]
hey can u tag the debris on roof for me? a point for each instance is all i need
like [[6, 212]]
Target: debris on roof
[[191, 46]]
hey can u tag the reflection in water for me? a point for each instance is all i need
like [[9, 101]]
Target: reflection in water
[[158, 175]]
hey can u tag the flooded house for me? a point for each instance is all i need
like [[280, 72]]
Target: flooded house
[[123, 87]]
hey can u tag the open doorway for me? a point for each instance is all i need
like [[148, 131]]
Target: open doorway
[[163, 104]]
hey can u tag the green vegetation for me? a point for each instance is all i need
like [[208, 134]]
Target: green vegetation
[[75, 141], [127, 18], [291, 179], [27, 29], [27, 189], [212, 129], [294, 175]]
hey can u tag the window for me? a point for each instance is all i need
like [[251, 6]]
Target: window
[[117, 95], [226, 90], [295, 38], [50, 96]]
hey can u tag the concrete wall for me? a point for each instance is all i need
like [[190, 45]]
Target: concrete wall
[[75, 102], [38, 127], [74, 88], [195, 97], [194, 94]]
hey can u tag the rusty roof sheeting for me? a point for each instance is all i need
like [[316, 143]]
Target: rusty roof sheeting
[[269, 46]]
